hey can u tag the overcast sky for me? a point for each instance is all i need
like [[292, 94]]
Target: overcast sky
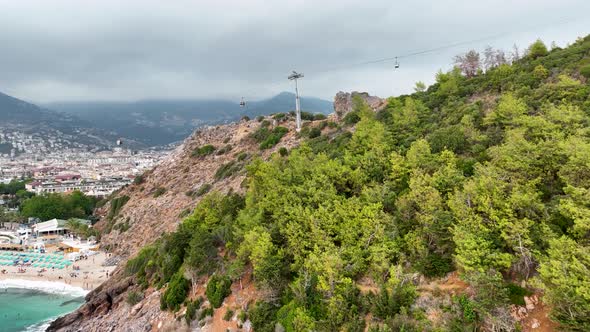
[[128, 50]]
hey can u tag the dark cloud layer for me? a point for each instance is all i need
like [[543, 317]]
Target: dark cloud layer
[[124, 50]]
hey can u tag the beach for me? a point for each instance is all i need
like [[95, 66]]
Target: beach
[[90, 274]]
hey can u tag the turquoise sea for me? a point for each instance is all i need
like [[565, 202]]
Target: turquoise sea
[[32, 310]]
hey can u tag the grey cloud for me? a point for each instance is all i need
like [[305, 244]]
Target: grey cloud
[[122, 50]]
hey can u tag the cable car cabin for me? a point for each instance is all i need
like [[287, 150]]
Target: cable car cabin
[[242, 103], [396, 66]]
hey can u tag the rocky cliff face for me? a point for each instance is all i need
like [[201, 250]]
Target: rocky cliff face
[[156, 205], [343, 102]]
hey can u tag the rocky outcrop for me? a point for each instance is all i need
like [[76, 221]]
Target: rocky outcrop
[[99, 302], [343, 102]]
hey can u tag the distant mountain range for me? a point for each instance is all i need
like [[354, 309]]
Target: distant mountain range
[[141, 123], [158, 122], [17, 116]]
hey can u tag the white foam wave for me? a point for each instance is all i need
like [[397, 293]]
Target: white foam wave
[[39, 327], [50, 287]]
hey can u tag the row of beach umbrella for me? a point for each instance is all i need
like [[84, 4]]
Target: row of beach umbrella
[[37, 259]]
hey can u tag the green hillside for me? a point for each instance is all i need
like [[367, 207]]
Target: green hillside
[[486, 172]]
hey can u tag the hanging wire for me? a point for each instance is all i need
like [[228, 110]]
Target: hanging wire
[[414, 53]]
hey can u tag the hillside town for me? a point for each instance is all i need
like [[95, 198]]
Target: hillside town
[[16, 142], [95, 174]]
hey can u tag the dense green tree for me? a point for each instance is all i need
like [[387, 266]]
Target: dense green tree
[[566, 280], [537, 49], [12, 187]]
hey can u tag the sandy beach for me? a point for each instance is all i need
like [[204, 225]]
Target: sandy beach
[[90, 275]]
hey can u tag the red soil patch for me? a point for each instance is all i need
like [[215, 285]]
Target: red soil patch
[[242, 293], [541, 314], [452, 285]]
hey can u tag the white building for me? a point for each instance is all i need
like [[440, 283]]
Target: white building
[[53, 226]]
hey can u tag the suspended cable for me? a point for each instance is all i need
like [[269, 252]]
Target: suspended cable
[[419, 52], [435, 49]]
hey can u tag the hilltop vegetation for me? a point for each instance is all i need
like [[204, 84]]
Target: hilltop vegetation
[[486, 172]]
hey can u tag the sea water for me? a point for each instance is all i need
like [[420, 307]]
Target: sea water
[[31, 305]]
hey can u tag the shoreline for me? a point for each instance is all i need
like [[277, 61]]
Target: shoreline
[[50, 287], [88, 275]]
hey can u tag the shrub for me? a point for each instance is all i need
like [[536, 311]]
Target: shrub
[[451, 138], [138, 179], [228, 315], [467, 308], [191, 310], [226, 140], [218, 288], [242, 156], [134, 297], [261, 134], [537, 49], [204, 150], [351, 118], [227, 170], [283, 152], [184, 213], [306, 116], [137, 264], [243, 316], [388, 303], [516, 294], [175, 293], [245, 118], [263, 316], [123, 227], [585, 71], [274, 138], [224, 150], [540, 72], [259, 118], [319, 116], [206, 312], [203, 189], [315, 132], [435, 265], [265, 123], [159, 192], [116, 205], [279, 116]]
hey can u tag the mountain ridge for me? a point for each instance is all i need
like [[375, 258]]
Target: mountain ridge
[[19, 116], [162, 121]]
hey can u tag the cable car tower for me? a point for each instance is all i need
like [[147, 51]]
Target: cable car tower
[[294, 77]]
